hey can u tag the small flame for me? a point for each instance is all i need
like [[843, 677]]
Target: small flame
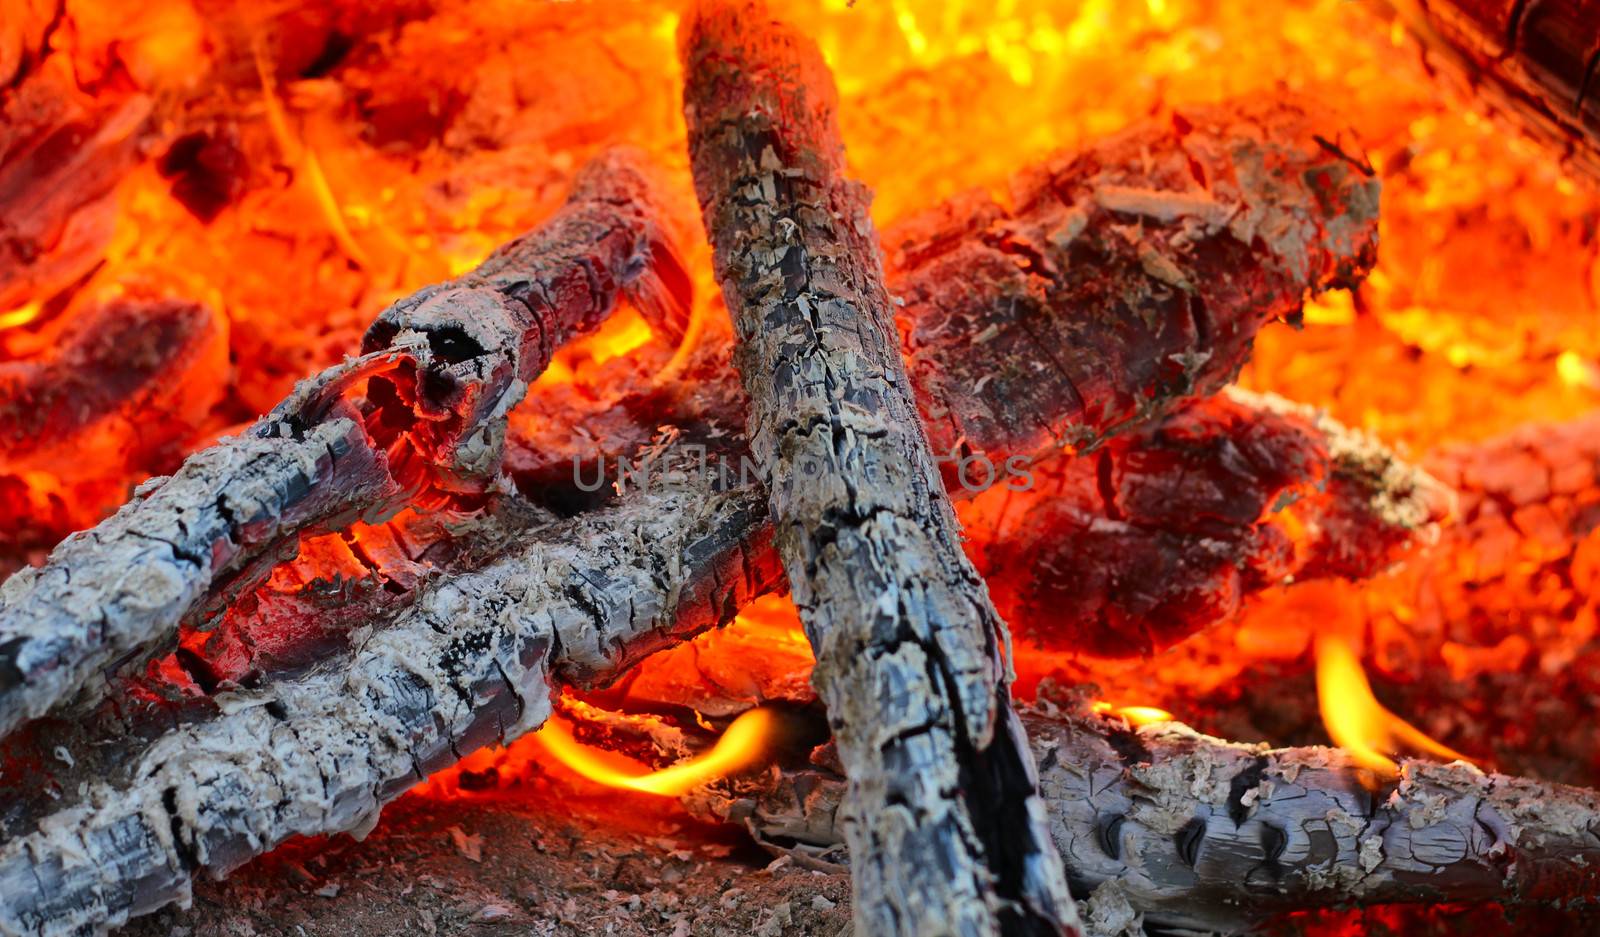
[[1136, 715], [1356, 721], [20, 316], [740, 747]]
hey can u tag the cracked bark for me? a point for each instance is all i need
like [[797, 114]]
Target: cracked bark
[[1171, 829], [942, 809], [471, 662], [442, 368]]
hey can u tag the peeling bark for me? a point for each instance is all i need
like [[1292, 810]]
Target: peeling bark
[[941, 808], [442, 368], [1194, 833], [1128, 276]]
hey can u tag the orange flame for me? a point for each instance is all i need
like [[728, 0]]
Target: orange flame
[[741, 746], [1136, 715], [1356, 721]]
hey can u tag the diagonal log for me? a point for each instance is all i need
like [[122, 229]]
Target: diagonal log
[[1129, 275], [941, 808], [442, 368], [1194, 834]]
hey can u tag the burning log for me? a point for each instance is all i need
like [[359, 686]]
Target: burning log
[[1166, 531], [1129, 276], [132, 376], [471, 662], [941, 810], [1192, 833], [442, 368], [1537, 62]]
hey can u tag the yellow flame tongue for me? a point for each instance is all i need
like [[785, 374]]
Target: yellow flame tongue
[[1356, 721], [741, 746]]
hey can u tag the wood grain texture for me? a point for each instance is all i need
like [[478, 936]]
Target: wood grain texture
[[942, 813]]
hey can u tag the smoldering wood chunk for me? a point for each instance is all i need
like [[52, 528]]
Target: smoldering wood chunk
[[1538, 63], [130, 378], [1164, 532], [942, 814], [1128, 276], [61, 153]]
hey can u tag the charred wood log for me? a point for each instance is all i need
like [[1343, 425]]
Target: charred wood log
[[1194, 834], [62, 152], [441, 370], [1128, 276], [1165, 531], [941, 808], [1161, 533], [472, 662], [131, 376], [1536, 62]]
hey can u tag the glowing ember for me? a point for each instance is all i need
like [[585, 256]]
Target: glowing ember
[[1356, 720], [741, 746]]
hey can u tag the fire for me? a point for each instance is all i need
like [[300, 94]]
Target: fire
[[338, 182], [1356, 720], [741, 746], [1136, 715]]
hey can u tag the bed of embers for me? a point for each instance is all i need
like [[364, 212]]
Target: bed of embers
[[498, 554]]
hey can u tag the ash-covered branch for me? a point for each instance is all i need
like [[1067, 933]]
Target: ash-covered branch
[[1165, 531], [942, 812], [472, 662], [440, 371], [1129, 275], [1192, 833]]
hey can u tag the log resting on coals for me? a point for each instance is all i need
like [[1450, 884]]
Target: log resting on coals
[[1195, 834], [442, 368], [1129, 275], [472, 662], [942, 811]]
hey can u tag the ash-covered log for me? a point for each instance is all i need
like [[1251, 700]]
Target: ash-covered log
[[1129, 276], [941, 808], [1184, 833], [1165, 531], [472, 662], [441, 369]]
